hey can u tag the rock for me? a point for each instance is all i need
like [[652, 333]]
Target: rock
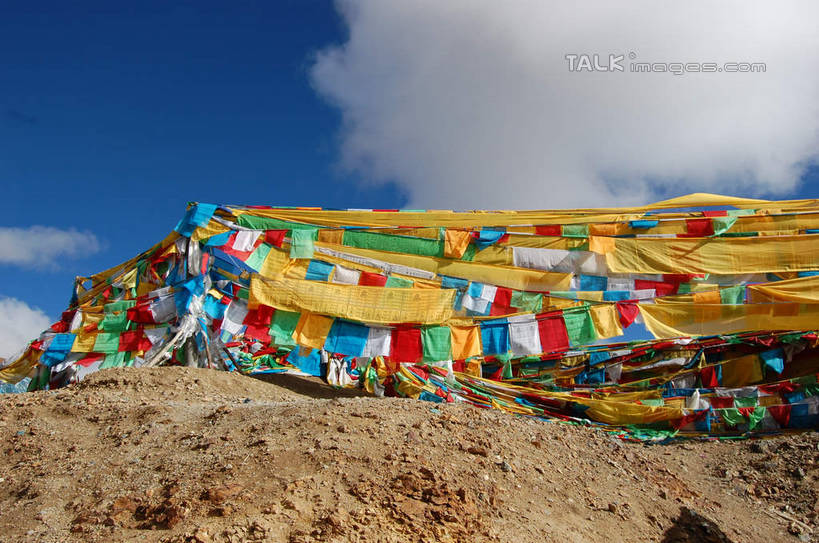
[[222, 511], [123, 503], [174, 514], [794, 528], [759, 447], [505, 466], [767, 465], [478, 451], [221, 493], [612, 507]]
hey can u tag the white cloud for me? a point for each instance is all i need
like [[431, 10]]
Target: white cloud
[[19, 323], [469, 103], [44, 246]]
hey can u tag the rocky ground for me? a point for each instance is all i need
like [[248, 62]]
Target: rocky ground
[[179, 455]]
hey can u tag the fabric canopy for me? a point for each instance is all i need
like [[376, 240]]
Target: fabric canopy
[[519, 310]]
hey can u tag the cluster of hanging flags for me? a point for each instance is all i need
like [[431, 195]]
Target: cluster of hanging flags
[[501, 309]]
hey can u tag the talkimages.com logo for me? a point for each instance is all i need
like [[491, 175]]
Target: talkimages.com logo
[[618, 63]]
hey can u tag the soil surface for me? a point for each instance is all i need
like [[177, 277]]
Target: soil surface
[[182, 455]]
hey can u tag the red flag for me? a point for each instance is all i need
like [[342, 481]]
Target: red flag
[[503, 297], [406, 344], [59, 327], [275, 237], [692, 417], [722, 402], [496, 310], [261, 316], [781, 414], [369, 279], [746, 411], [553, 335], [134, 340], [90, 359], [141, 313], [661, 287], [259, 331], [698, 228], [627, 313], [548, 230], [498, 375], [709, 377]]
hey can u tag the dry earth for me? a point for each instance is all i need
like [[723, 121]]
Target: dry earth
[[178, 455]]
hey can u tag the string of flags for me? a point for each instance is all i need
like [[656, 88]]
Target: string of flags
[[518, 310]]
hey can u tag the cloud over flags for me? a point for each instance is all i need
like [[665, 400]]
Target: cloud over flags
[[471, 104]]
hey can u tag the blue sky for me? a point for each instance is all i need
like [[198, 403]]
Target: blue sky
[[112, 118]]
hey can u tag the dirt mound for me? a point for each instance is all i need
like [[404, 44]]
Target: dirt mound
[[175, 383], [178, 455]]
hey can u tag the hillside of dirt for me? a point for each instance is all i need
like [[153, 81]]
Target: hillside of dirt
[[181, 455]]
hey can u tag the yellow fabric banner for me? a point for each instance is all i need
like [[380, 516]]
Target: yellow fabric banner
[[743, 371], [470, 219], [713, 255], [455, 243], [84, 342], [611, 412], [607, 411], [311, 330], [674, 320], [211, 229], [331, 236], [466, 341], [803, 290], [358, 303], [606, 320], [18, 370]]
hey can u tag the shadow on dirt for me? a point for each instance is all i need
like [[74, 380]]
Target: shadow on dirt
[[691, 527], [309, 386]]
